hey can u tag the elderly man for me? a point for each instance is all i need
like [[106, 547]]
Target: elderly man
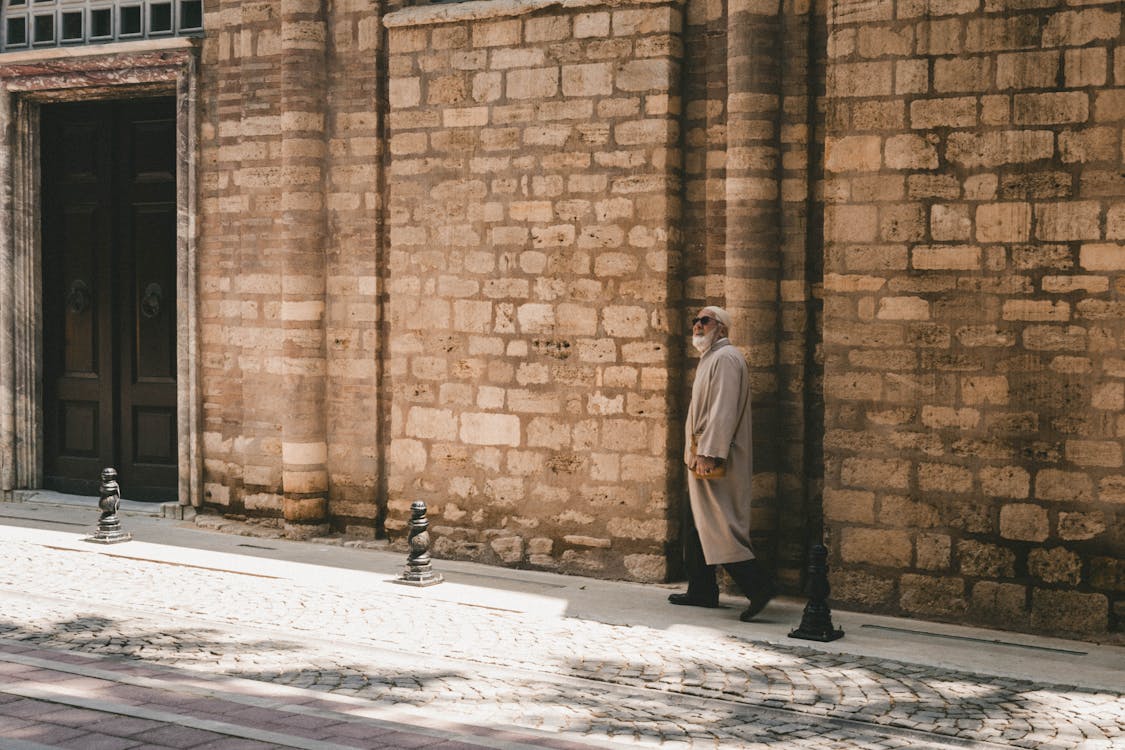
[[718, 457]]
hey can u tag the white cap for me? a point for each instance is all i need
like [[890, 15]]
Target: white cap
[[719, 314]]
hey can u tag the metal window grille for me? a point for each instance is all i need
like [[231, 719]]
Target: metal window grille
[[34, 24]]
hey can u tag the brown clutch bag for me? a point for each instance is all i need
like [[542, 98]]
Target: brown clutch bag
[[718, 472]]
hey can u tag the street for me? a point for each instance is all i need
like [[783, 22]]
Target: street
[[320, 635]]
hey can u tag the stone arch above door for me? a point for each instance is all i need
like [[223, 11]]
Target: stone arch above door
[[28, 80]]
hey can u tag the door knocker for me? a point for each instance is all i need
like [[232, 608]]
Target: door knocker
[[78, 297], [150, 302]]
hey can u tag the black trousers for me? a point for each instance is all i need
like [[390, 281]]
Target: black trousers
[[749, 575]]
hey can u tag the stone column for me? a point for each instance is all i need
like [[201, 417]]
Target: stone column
[[304, 446], [753, 231]]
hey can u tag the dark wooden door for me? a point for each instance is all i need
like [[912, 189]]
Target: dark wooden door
[[109, 296]]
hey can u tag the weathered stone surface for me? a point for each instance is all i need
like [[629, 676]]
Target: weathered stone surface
[[1069, 611], [1057, 565], [932, 596]]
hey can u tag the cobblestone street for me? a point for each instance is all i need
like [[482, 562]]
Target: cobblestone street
[[497, 650]]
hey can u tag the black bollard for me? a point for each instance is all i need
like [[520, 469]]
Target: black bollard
[[418, 571], [816, 622], [109, 525]]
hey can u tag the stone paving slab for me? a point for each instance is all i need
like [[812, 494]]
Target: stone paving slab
[[395, 648]]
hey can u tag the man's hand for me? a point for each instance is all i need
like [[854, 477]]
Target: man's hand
[[706, 464]]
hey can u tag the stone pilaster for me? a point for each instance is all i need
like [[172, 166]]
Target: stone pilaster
[[301, 240]]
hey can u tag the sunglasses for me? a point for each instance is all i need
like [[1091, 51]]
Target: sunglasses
[[702, 320]]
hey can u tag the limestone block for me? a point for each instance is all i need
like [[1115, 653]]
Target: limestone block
[[487, 86], [983, 560], [1038, 310], [1068, 221], [1036, 69], [863, 588], [910, 152], [881, 41], [1024, 522], [1069, 611], [1102, 256], [531, 83], [959, 74], [546, 28], [625, 321], [954, 112], [881, 547], [933, 551], [854, 386], [853, 153], [464, 117], [932, 595], [1049, 338], [857, 223], [934, 477], [999, 602], [1078, 28], [1108, 396], [647, 568], [1003, 222], [591, 25], [1005, 481], [855, 506], [1107, 573], [1089, 145], [504, 492], [645, 75], [861, 79], [946, 257], [490, 429], [1057, 565], [1051, 109], [509, 549], [875, 473], [984, 389], [590, 79], [505, 33], [911, 77], [993, 149], [1079, 526], [903, 308], [1094, 452]]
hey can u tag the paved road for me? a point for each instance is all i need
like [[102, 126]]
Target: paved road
[[419, 658]]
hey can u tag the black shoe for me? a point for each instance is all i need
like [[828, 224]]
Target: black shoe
[[758, 602], [692, 601]]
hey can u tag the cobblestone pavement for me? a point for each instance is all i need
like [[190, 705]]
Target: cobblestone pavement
[[480, 665]]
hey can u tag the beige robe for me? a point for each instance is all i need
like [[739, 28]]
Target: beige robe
[[719, 418]]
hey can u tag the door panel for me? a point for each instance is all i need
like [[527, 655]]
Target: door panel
[[77, 349], [109, 260]]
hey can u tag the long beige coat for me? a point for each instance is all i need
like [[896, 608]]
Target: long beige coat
[[719, 418]]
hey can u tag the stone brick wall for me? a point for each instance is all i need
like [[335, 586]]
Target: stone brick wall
[[975, 250], [532, 207]]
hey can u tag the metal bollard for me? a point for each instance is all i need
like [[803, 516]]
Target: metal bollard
[[816, 622], [109, 525], [418, 571]]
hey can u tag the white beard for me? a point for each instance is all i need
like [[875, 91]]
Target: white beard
[[703, 343]]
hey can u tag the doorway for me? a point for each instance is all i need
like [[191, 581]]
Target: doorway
[[109, 244]]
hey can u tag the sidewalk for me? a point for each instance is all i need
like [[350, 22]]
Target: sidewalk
[[581, 659]]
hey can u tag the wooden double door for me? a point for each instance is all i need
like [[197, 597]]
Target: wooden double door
[[109, 295]]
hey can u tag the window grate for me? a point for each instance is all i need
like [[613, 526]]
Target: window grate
[[34, 24]]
